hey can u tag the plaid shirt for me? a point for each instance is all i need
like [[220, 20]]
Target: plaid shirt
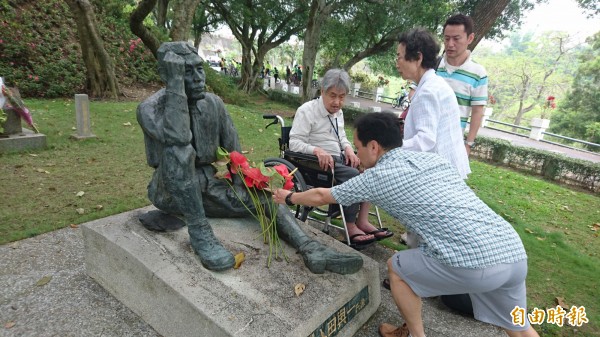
[[425, 193]]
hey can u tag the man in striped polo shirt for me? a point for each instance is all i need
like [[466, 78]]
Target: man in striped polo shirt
[[467, 78]]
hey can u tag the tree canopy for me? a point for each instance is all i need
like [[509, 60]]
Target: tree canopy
[[578, 115]]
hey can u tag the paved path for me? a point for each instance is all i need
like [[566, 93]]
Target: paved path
[[513, 139]]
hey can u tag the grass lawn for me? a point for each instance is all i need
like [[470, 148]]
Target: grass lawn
[[73, 182]]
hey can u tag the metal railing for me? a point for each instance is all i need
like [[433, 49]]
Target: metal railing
[[509, 131], [574, 140]]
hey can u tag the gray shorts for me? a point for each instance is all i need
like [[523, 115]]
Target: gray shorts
[[494, 291]]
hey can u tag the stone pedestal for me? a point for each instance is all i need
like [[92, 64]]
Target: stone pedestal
[[13, 122], [355, 104], [159, 277], [295, 90], [17, 139], [538, 125], [375, 109]]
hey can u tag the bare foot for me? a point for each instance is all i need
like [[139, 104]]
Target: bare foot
[[358, 236]]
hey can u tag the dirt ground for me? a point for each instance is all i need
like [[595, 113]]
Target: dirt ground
[[138, 92]]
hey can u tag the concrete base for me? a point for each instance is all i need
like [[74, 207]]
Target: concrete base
[[159, 277], [23, 141], [78, 137]]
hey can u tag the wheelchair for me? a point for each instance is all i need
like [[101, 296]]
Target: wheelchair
[[310, 175]]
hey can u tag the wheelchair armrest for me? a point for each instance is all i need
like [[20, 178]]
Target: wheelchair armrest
[[308, 165]]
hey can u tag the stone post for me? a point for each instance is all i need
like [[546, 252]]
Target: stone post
[[487, 113], [375, 109], [284, 86], [355, 89], [538, 125], [295, 90], [378, 94], [82, 114]]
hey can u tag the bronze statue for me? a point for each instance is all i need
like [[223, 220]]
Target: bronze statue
[[183, 127]]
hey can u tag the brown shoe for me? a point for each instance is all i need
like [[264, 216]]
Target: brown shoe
[[388, 330]]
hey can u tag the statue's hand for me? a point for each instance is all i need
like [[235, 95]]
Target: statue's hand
[[175, 69]]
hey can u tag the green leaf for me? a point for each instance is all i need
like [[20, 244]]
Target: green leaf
[[43, 281], [266, 171], [222, 153]]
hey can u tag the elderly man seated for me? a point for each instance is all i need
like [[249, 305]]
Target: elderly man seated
[[318, 129]]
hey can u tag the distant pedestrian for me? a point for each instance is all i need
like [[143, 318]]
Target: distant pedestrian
[[276, 74], [288, 74]]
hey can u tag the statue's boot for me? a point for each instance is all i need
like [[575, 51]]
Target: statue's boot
[[317, 257], [206, 245]]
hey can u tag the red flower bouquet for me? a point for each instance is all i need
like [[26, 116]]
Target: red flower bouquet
[[259, 182]]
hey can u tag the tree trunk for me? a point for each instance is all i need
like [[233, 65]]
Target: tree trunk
[[319, 11], [136, 23], [484, 16], [521, 111], [183, 15], [161, 14], [101, 79]]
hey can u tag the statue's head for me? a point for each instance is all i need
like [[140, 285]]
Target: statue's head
[[194, 76]]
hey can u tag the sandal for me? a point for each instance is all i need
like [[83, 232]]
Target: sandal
[[386, 234], [386, 283], [359, 242]]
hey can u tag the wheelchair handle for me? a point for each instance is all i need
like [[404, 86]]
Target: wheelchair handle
[[276, 119]]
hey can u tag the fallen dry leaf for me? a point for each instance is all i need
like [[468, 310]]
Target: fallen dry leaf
[[80, 193], [566, 208], [99, 207], [80, 211], [528, 230], [541, 239], [9, 324], [127, 124], [74, 225], [299, 289], [596, 227], [561, 301], [43, 281], [239, 259], [33, 155]]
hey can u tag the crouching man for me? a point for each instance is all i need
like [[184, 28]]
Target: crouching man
[[465, 247]]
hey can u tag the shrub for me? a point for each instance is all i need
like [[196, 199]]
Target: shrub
[[224, 86], [40, 52], [550, 165]]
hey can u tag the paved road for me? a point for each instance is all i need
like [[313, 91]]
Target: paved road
[[513, 139]]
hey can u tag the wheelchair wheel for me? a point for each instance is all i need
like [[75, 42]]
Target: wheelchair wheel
[[300, 212]]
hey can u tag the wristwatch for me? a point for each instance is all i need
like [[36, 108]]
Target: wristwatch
[[471, 144], [288, 199]]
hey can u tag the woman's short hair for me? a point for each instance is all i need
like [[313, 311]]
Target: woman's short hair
[[336, 78], [417, 41]]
